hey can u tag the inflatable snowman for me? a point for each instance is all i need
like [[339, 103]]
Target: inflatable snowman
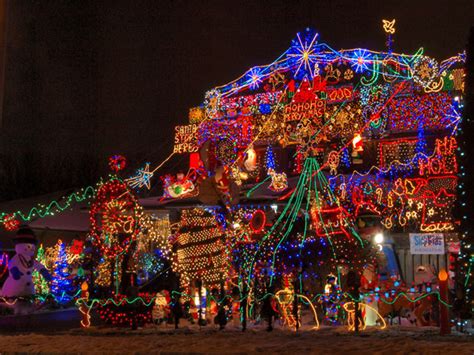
[[19, 285]]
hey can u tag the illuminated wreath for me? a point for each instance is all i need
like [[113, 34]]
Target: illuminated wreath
[[258, 221], [425, 70], [114, 218]]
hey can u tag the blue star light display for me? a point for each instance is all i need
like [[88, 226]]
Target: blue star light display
[[360, 60], [303, 53], [254, 77]]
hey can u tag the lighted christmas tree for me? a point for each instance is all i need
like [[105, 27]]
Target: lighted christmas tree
[[41, 285], [61, 285], [345, 158], [270, 158], [421, 146]]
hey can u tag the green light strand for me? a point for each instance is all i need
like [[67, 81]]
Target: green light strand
[[55, 206], [249, 192]]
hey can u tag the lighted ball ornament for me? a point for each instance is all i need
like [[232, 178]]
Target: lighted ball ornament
[[10, 223], [117, 163]]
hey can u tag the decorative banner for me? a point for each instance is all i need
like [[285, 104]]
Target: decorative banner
[[426, 243], [185, 139]]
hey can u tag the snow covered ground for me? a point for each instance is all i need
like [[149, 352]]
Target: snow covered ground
[[191, 339]]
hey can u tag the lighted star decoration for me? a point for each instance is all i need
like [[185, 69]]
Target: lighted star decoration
[[255, 78], [455, 119], [360, 60], [142, 178], [303, 54]]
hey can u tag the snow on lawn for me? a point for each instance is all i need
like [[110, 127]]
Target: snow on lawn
[[191, 339]]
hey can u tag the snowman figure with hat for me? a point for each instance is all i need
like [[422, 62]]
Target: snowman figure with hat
[[19, 287]]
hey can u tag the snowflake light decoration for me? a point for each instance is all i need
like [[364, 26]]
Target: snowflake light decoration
[[302, 55]]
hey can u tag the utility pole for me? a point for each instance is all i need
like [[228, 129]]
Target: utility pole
[[3, 52]]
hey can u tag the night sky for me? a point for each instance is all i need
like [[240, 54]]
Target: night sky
[[87, 79]]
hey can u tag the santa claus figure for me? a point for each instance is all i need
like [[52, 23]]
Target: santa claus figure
[[19, 286]]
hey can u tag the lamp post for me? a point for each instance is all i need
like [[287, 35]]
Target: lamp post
[[84, 309], [444, 326]]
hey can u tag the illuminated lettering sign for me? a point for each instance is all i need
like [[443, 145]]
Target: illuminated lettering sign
[[185, 139], [426, 243], [296, 111]]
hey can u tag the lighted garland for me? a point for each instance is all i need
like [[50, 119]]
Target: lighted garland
[[124, 313], [53, 207], [146, 301]]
